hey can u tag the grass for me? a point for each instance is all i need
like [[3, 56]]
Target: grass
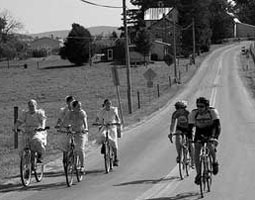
[[49, 80]]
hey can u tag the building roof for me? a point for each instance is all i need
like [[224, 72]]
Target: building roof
[[156, 13]]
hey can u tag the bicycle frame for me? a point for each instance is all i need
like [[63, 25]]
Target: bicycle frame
[[28, 164], [108, 151], [71, 160]]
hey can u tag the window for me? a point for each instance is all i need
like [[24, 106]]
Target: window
[[109, 54]]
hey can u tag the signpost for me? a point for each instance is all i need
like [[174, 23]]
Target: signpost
[[149, 75], [116, 82]]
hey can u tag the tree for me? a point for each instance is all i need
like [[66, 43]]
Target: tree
[[221, 21], [114, 35], [76, 47], [143, 42], [245, 10], [8, 25]]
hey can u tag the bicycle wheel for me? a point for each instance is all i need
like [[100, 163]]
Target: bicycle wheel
[[202, 178], [25, 167], [38, 169], [182, 164], [69, 168], [187, 160], [209, 173], [107, 157], [79, 175]]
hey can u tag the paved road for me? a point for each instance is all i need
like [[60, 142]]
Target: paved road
[[147, 167]]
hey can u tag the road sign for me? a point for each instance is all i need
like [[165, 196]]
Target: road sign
[[150, 84], [115, 76], [149, 75]]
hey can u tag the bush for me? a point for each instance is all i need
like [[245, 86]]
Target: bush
[[154, 56], [168, 59]]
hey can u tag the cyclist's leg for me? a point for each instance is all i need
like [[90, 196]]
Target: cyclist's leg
[[196, 157], [191, 148], [80, 141], [38, 145], [215, 163], [114, 143], [178, 139]]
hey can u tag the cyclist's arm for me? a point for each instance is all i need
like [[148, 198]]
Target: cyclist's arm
[[172, 125], [217, 128], [216, 123], [117, 115], [85, 122], [42, 118]]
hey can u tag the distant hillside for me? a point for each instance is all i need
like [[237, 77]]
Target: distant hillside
[[93, 30]]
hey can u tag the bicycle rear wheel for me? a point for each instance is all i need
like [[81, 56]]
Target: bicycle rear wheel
[[107, 157], [79, 175], [69, 168], [25, 167]]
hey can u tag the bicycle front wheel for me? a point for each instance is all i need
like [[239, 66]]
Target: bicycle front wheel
[[209, 173], [79, 175], [25, 167], [187, 159], [69, 168]]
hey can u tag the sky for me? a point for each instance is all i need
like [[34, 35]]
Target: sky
[[50, 15]]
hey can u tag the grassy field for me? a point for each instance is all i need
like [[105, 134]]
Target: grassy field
[[51, 79]]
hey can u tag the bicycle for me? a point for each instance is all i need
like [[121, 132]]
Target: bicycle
[[29, 164], [108, 151], [205, 162], [184, 157], [71, 161]]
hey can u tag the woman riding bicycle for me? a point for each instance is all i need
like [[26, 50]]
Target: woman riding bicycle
[[206, 120], [31, 120], [77, 119], [107, 115], [181, 115]]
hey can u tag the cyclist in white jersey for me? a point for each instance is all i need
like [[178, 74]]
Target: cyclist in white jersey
[[206, 120]]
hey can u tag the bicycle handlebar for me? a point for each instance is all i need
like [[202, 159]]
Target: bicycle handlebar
[[36, 129]]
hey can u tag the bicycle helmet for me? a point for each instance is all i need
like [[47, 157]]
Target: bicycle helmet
[[180, 104], [203, 100]]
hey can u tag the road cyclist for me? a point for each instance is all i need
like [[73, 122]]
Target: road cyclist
[[32, 123], [180, 129], [206, 121]]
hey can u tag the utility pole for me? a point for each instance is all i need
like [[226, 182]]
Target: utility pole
[[194, 41], [129, 90], [174, 48]]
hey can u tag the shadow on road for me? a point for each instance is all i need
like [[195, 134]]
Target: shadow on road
[[59, 67], [182, 196], [148, 181]]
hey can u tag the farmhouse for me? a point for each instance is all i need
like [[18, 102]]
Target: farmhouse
[[162, 22]]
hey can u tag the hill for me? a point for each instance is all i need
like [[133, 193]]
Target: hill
[[105, 30]]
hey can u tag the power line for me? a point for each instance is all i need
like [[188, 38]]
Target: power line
[[99, 5]]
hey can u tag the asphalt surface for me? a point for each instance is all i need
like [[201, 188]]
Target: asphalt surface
[[148, 170]]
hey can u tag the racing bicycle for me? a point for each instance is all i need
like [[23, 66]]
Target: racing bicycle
[[185, 156], [205, 162]]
